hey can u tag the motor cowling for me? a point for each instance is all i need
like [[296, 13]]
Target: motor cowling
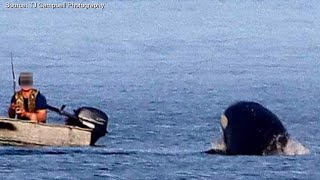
[[92, 118]]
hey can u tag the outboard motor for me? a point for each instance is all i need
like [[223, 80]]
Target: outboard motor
[[85, 117], [92, 118]]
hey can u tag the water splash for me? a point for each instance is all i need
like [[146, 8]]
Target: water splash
[[284, 145], [219, 146], [293, 147]]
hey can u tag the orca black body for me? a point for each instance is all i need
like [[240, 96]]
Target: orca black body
[[251, 129]]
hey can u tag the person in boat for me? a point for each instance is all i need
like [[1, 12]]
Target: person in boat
[[28, 103]]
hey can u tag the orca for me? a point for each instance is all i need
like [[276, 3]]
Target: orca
[[251, 129]]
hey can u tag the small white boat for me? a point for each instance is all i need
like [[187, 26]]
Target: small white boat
[[83, 129]]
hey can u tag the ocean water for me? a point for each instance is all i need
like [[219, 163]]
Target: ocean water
[[164, 71]]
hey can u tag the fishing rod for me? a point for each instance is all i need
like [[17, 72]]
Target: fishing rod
[[13, 74]]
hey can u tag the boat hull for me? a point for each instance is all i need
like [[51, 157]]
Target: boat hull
[[19, 132]]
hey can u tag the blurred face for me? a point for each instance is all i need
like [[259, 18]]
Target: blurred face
[[26, 87]]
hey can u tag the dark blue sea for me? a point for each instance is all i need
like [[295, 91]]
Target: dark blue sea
[[164, 71]]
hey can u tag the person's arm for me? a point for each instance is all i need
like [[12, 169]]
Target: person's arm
[[39, 116], [12, 111], [12, 108], [41, 110]]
